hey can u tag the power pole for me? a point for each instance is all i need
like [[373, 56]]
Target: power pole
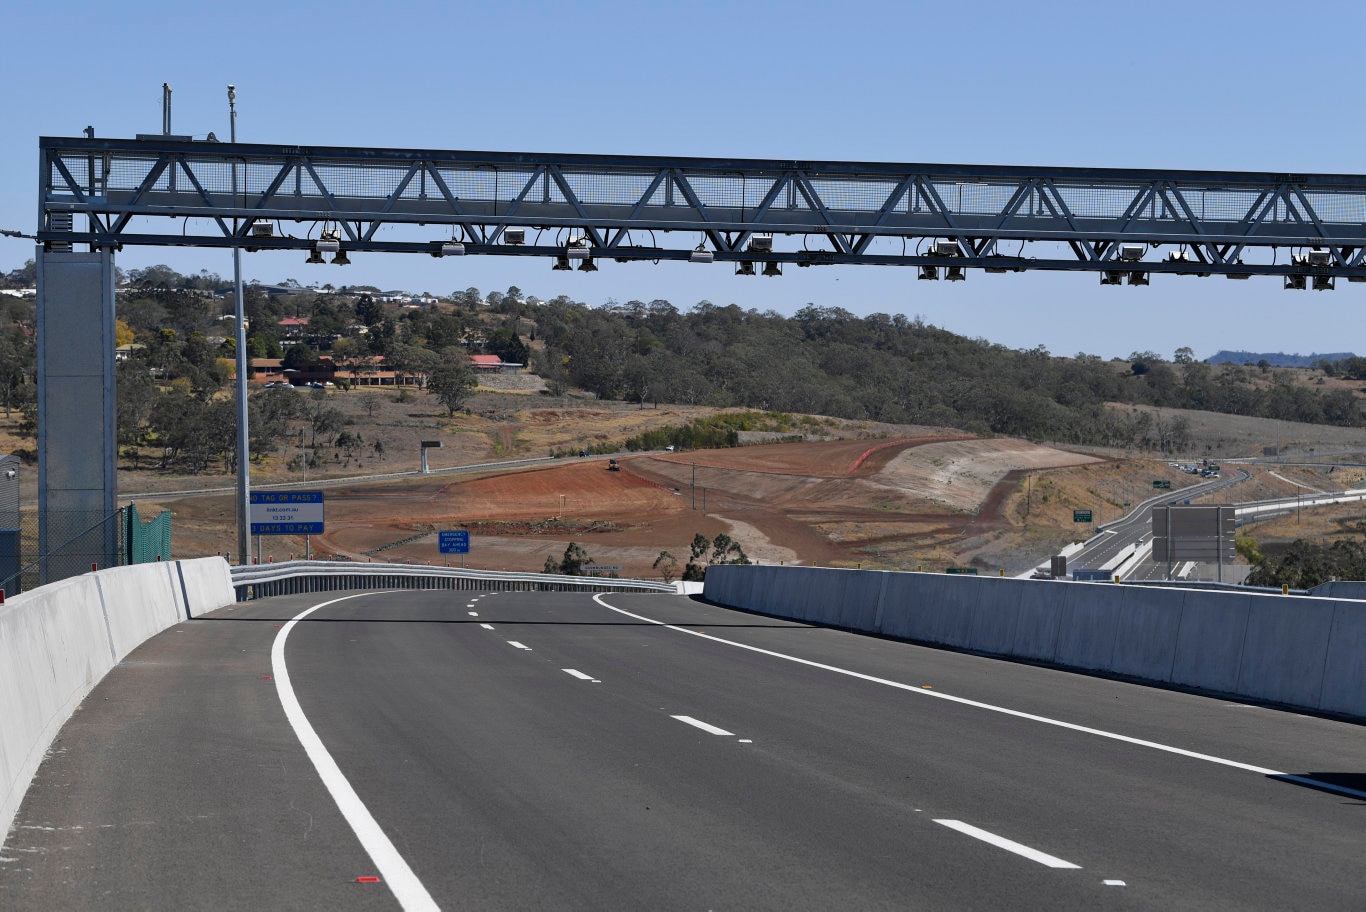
[[239, 311]]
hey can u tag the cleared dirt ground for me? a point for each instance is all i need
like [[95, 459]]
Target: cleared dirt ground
[[845, 502], [866, 494]]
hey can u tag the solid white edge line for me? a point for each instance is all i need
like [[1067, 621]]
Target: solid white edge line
[[710, 729], [400, 879], [1009, 845], [940, 695]]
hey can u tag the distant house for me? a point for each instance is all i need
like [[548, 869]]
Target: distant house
[[376, 373], [492, 364], [267, 369], [293, 329], [272, 369], [380, 378]]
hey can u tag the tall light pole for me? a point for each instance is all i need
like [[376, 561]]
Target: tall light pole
[[243, 429]]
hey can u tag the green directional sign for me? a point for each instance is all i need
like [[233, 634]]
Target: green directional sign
[[1162, 484], [1081, 516], [970, 571]]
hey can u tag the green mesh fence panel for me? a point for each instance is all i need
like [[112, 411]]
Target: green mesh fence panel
[[147, 542]]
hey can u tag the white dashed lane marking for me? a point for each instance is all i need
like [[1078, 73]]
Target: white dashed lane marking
[[1001, 842], [710, 729]]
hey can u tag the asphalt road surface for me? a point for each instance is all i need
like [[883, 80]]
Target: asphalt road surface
[[423, 750]]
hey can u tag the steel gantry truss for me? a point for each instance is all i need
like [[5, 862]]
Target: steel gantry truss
[[942, 219]]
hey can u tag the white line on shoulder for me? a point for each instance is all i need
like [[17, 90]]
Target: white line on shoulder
[[412, 896]]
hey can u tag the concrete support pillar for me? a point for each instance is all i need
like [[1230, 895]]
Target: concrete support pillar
[[77, 436]]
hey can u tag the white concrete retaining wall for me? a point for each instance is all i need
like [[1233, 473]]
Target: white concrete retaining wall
[[1296, 650], [58, 641]]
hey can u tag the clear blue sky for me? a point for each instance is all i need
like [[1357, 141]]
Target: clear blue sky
[[1247, 86]]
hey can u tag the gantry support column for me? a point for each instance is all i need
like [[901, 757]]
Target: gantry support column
[[77, 439]]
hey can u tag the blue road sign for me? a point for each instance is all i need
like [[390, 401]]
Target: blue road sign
[[286, 512], [454, 541]]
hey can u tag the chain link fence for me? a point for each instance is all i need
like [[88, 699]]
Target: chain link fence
[[76, 542]]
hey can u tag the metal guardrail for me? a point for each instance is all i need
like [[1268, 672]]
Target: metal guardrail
[[1211, 584], [1316, 499], [294, 577]]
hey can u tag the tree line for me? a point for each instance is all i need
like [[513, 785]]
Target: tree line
[[892, 368], [1304, 564], [821, 361]]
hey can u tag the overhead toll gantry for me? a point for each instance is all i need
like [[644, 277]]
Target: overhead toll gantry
[[944, 220], [97, 196]]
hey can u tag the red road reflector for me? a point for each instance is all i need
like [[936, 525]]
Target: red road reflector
[[367, 878], [266, 678]]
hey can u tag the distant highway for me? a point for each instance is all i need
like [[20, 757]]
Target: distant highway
[[1120, 539], [424, 750], [333, 481]]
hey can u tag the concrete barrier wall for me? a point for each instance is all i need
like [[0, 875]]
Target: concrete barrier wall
[[206, 584], [58, 641], [1299, 651], [139, 602], [1209, 646], [54, 646], [1284, 652], [1341, 589], [1344, 666]]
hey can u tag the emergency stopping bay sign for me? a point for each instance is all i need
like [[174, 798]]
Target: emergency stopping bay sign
[[286, 512]]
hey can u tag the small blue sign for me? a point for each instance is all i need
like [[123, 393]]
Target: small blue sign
[[454, 541]]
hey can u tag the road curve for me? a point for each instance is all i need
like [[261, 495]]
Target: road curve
[[554, 750]]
